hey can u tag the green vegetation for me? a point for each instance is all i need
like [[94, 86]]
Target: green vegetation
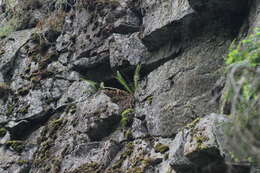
[[126, 117], [22, 162], [161, 148], [247, 50], [243, 94], [2, 132], [8, 28], [17, 146], [130, 87]]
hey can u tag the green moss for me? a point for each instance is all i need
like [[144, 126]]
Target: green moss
[[57, 122], [200, 141], [8, 28], [2, 51], [22, 162], [71, 109], [2, 132], [10, 109], [161, 148], [17, 146], [36, 37], [193, 123], [129, 148], [128, 135], [24, 109], [126, 118], [88, 168], [149, 100], [35, 79], [23, 91], [118, 164], [141, 164], [127, 111], [166, 156]]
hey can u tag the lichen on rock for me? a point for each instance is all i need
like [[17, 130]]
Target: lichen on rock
[[52, 120]]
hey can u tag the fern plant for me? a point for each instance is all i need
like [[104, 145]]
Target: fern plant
[[130, 88]]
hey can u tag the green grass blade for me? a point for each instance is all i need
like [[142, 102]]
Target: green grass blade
[[123, 82]]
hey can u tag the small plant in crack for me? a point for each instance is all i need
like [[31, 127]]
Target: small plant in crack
[[123, 97], [127, 117], [98, 86], [130, 87]]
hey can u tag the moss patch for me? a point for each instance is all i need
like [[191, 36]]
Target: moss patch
[[24, 109], [161, 148], [17, 146], [88, 168], [2, 132], [22, 162]]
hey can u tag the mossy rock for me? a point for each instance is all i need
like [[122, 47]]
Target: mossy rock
[[24, 109], [161, 148], [128, 135], [17, 146], [87, 168], [23, 91], [10, 109], [22, 162], [2, 132]]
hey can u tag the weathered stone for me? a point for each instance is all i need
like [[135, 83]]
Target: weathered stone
[[102, 116], [126, 50], [201, 146], [162, 21], [67, 126], [129, 23], [12, 45], [174, 101]]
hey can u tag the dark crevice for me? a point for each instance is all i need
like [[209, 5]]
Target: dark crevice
[[193, 26], [27, 126], [104, 128]]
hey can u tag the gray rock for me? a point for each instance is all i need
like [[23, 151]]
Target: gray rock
[[201, 146], [174, 100], [102, 116], [126, 50], [67, 126], [12, 45], [139, 129], [159, 21], [129, 23]]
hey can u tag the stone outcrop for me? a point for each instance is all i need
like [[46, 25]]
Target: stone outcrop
[[63, 111]]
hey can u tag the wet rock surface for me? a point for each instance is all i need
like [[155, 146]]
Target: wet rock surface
[[62, 111]]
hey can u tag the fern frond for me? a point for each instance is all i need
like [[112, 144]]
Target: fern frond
[[123, 82]]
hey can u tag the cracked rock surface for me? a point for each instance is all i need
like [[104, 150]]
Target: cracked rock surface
[[63, 111]]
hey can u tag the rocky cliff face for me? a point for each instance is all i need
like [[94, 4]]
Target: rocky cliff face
[[53, 121]]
